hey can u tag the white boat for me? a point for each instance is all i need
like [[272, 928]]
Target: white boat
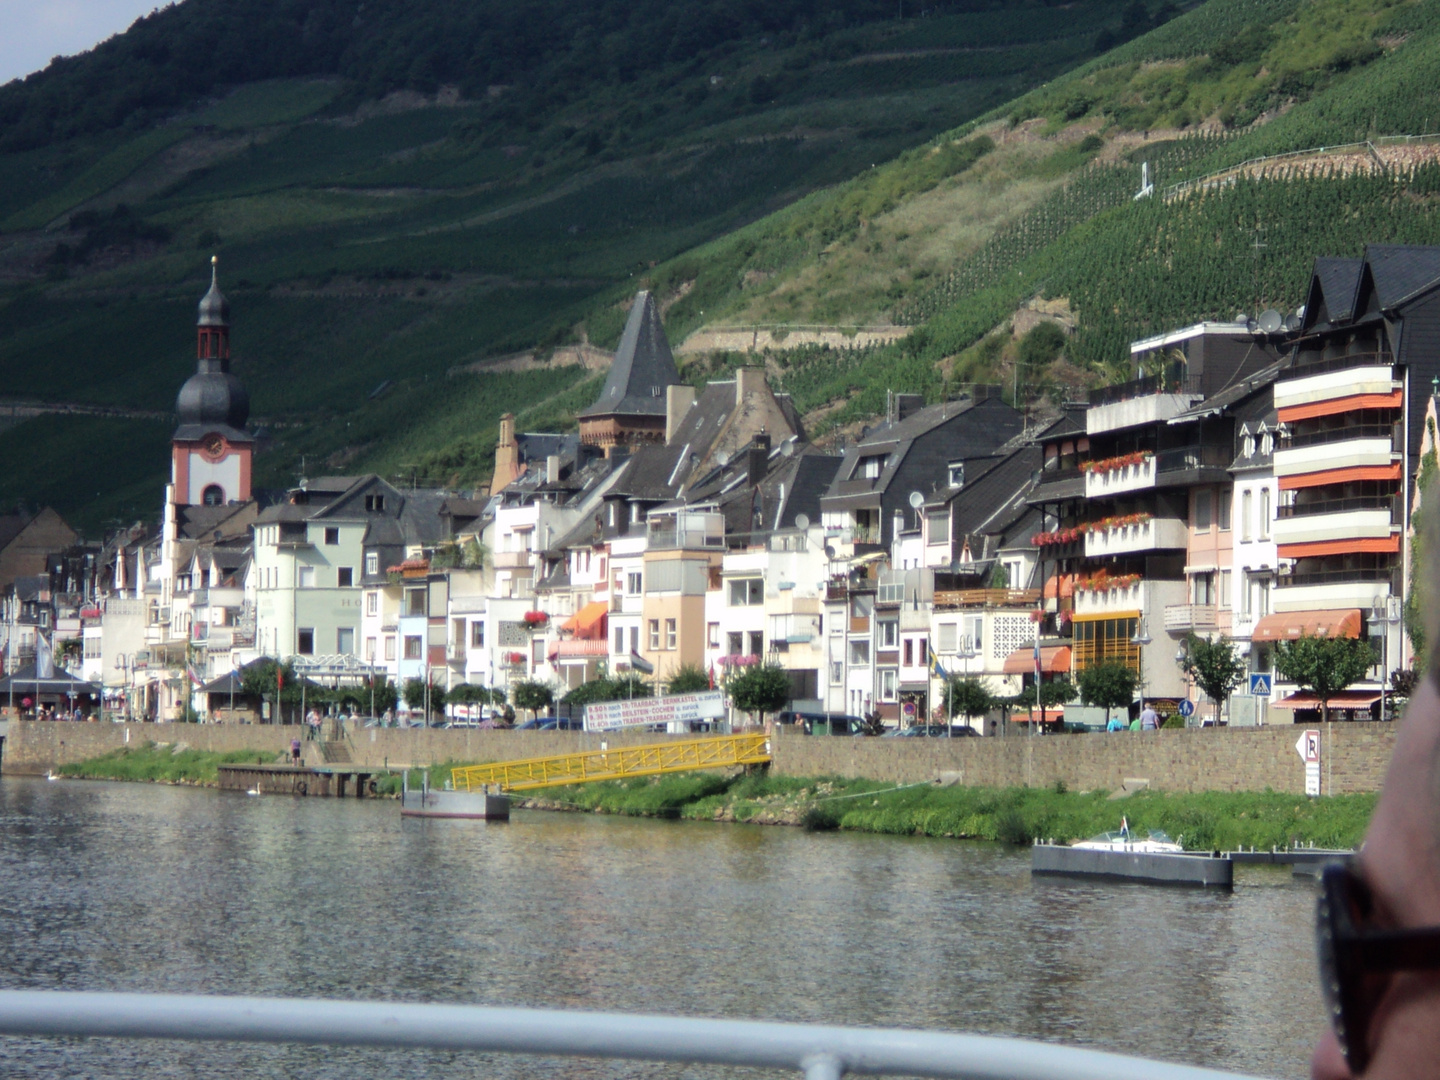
[[1154, 843]]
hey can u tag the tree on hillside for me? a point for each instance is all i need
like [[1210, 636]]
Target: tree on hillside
[[1109, 685], [1323, 665], [1216, 667], [967, 697], [758, 689], [688, 679]]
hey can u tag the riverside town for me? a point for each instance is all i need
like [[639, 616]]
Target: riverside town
[[694, 540]]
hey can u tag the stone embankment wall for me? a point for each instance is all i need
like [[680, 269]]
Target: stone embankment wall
[[1354, 756], [746, 339]]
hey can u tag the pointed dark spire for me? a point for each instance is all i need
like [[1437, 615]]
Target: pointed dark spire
[[214, 308], [642, 369]]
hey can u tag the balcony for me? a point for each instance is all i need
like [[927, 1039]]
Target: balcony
[[1338, 519], [1157, 534], [1145, 596], [1333, 589], [1141, 401], [964, 598], [1119, 479], [510, 560], [1190, 618], [1349, 448], [686, 531], [1335, 377]]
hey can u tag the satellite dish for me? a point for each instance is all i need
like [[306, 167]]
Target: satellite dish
[[802, 521], [787, 448], [1271, 321], [1292, 323], [1241, 316], [723, 458], [829, 551], [917, 500]]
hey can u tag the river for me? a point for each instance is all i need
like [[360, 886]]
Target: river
[[107, 886]]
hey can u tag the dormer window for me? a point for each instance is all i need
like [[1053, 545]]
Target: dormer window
[[374, 504], [870, 467], [1267, 444], [1249, 450], [957, 474]]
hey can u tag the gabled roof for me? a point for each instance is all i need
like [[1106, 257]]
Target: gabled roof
[[1333, 290], [643, 366], [1232, 396], [1401, 271]]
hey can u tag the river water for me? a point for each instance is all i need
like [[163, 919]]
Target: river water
[[107, 886]]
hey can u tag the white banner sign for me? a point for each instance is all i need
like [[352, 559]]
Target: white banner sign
[[639, 712]]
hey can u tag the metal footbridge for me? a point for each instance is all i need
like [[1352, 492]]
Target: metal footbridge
[[651, 759]]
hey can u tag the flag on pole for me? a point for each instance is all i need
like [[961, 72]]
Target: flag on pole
[[935, 669]]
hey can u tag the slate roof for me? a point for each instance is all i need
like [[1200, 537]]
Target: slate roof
[[1338, 280], [1401, 271], [1231, 396], [643, 366]]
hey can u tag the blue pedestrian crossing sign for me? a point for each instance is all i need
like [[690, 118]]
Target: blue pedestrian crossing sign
[[1260, 685], [1186, 707]]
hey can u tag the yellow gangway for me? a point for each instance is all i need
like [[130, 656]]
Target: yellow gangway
[[651, 759]]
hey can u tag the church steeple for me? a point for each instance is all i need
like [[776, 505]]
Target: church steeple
[[213, 325]]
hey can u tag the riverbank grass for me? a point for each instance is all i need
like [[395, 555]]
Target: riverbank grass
[[156, 764], [1201, 821]]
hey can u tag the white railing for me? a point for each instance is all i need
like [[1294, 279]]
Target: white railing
[[821, 1053]]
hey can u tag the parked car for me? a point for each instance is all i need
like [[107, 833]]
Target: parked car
[[813, 722], [933, 731]]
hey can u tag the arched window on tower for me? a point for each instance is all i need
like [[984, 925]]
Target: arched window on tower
[[213, 495]]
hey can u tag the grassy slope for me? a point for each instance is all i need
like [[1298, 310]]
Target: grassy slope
[[158, 765], [360, 247]]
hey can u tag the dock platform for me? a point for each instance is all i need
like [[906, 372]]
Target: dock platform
[[1156, 868], [330, 781]]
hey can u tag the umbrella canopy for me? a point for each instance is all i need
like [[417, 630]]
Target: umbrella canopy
[[61, 684]]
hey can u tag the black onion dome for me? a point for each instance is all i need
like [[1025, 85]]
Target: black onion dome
[[214, 308], [209, 398]]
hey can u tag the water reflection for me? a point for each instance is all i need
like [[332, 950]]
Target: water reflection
[[110, 886]]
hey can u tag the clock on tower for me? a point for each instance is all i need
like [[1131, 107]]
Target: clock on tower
[[211, 448]]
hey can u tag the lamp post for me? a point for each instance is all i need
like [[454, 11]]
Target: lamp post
[[965, 654], [1384, 615], [1141, 639]]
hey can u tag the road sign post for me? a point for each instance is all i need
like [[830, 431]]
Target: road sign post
[[1260, 684], [1308, 747]]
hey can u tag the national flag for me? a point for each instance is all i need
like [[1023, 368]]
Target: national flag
[[194, 675], [712, 676], [640, 664], [935, 669]]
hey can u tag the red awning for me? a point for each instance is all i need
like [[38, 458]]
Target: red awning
[[589, 622], [1345, 699], [1053, 658], [1053, 715], [1377, 544], [1340, 476], [1289, 625], [1336, 406]]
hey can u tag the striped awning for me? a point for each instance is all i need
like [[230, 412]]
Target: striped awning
[[1345, 699], [1053, 659], [1289, 625]]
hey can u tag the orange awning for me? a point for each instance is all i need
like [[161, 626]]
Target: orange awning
[[1062, 585], [1336, 406], [1345, 699], [1289, 625], [1377, 544], [1053, 658], [589, 622], [1340, 476]]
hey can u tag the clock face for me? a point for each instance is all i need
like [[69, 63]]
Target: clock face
[[213, 446]]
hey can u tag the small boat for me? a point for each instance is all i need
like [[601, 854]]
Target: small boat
[[1121, 856], [1154, 843]]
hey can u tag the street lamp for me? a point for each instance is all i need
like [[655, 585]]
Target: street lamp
[[1141, 639], [1384, 615], [964, 654]]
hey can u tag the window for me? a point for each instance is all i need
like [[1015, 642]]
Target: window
[[862, 605], [632, 583], [1262, 525], [307, 577], [837, 672], [870, 467], [907, 654], [1098, 640], [477, 635], [1202, 590], [747, 592], [1224, 598], [414, 602], [948, 639], [345, 576], [1267, 444], [537, 651], [345, 641], [372, 563], [1246, 509], [92, 648], [305, 641], [1262, 598], [619, 639], [975, 627], [1249, 446], [374, 503], [413, 647], [957, 476], [735, 644], [1225, 499], [213, 495], [635, 639], [1202, 511], [369, 650], [757, 643], [654, 635], [889, 634], [670, 634], [372, 603], [859, 653], [332, 535], [389, 646], [712, 635], [887, 684]]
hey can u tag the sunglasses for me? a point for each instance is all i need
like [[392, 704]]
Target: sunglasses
[[1356, 962]]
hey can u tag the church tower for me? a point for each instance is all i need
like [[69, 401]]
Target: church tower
[[211, 449]]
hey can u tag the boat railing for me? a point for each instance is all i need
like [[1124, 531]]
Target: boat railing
[[819, 1052]]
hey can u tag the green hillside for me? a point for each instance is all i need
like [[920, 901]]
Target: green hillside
[[399, 194], [381, 229]]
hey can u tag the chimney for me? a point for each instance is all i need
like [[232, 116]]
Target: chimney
[[758, 460], [748, 381], [678, 399], [902, 405], [552, 469]]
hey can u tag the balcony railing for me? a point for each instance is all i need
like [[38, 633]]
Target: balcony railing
[[1185, 458], [1304, 369], [1172, 380], [955, 598], [1334, 577], [1190, 617], [1392, 503], [1295, 440]]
